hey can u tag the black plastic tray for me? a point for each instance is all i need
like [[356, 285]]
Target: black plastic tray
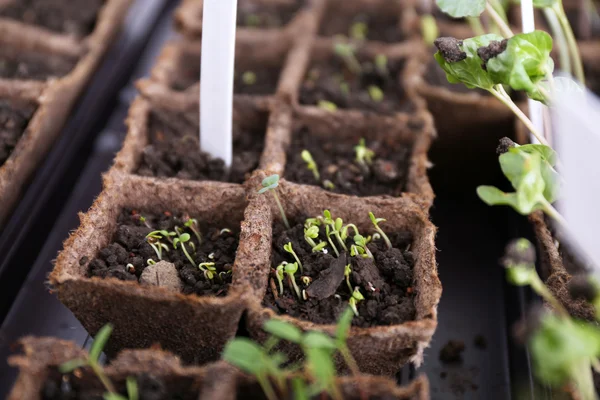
[[475, 301]]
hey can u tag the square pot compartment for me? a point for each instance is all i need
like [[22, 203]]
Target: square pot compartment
[[277, 16], [194, 327], [311, 127], [33, 65], [383, 19], [155, 369], [178, 67], [326, 71], [383, 349], [162, 123]]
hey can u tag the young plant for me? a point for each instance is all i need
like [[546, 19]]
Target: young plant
[[182, 239], [381, 63], [279, 274], [271, 183], [346, 52], [347, 273], [359, 31], [209, 269], [361, 242], [290, 269], [249, 78], [92, 361], [355, 299], [288, 247], [193, 225], [311, 164], [327, 105], [310, 234], [154, 240], [376, 93], [376, 222], [364, 155], [346, 229], [328, 231]]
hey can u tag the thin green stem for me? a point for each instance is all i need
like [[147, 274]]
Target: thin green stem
[[561, 40], [542, 290], [476, 26], [499, 93], [285, 220], [554, 214], [102, 376], [504, 28], [266, 387], [188, 255], [337, 253], [571, 41], [584, 381]]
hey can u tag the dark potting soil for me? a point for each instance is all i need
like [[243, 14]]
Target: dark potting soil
[[336, 162], [252, 15], [173, 151], [13, 122], [452, 351], [82, 384], [266, 77], [324, 82], [33, 66], [380, 28], [62, 16], [385, 281], [129, 246]]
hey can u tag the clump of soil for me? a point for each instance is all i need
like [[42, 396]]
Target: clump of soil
[[62, 16], [33, 66], [126, 257], [452, 351], [173, 151], [252, 15], [334, 81], [385, 281], [13, 122], [336, 162], [380, 27], [83, 385]]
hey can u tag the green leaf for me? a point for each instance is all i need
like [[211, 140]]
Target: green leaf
[[271, 181], [320, 366], [519, 276], [72, 365], [544, 3], [551, 177], [132, 388], [318, 340], [99, 342], [246, 355], [530, 191], [546, 152], [469, 71], [559, 347], [283, 330], [429, 29], [524, 63], [493, 196], [185, 237], [462, 8], [343, 325], [299, 389], [113, 396]]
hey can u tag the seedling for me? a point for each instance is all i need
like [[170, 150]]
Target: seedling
[[224, 231], [288, 247], [150, 262], [144, 221], [361, 243], [327, 184], [192, 224], [356, 251], [376, 222], [364, 155], [312, 222], [347, 273], [290, 269], [327, 105], [154, 240], [92, 361], [311, 164], [313, 233], [336, 229], [249, 78], [209, 269], [376, 93], [355, 299], [182, 239], [306, 280], [223, 275], [359, 31], [381, 63], [328, 234], [270, 183], [346, 52]]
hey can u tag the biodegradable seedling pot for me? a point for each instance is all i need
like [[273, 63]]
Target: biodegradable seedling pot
[[42, 356], [378, 350], [46, 64], [194, 327]]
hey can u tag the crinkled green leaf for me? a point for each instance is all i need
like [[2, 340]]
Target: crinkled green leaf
[[462, 8], [318, 340], [559, 347], [546, 152], [283, 330], [469, 71], [551, 177], [531, 186], [246, 355], [524, 63]]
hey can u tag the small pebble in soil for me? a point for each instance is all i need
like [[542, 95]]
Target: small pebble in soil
[[452, 351]]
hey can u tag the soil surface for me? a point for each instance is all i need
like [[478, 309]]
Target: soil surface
[[62, 16], [452, 351], [325, 81], [266, 77], [126, 257], [33, 66], [13, 122], [173, 151], [336, 162], [380, 28], [385, 281], [252, 15], [83, 385]]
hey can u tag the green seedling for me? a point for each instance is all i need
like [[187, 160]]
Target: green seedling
[[429, 29], [310, 234], [288, 247], [337, 226], [290, 269], [376, 93], [345, 88], [279, 274], [363, 154], [306, 280], [327, 184], [361, 242], [223, 275], [150, 262], [270, 183], [193, 225], [224, 231], [355, 299], [92, 361], [356, 251], [376, 222], [311, 164], [154, 240], [209, 269], [328, 234], [312, 222], [144, 221], [381, 63], [182, 239], [359, 31], [346, 52], [327, 105], [347, 273], [249, 78], [345, 230]]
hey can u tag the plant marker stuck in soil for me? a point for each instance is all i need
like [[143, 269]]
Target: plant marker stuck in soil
[[216, 77]]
